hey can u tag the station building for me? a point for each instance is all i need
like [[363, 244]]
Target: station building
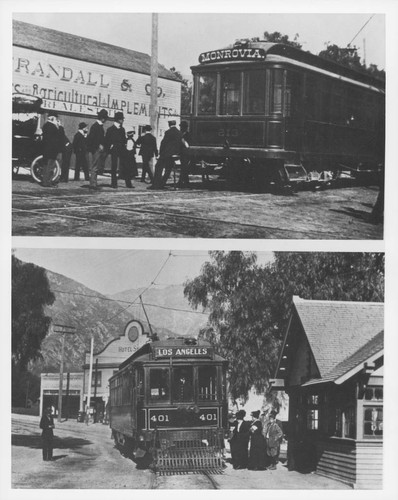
[[78, 76], [331, 366], [106, 363]]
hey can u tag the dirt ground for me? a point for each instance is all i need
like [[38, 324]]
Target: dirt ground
[[85, 458], [71, 209]]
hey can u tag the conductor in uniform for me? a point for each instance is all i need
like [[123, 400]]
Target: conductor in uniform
[[148, 149], [169, 147]]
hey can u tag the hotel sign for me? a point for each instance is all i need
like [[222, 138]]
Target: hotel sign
[[234, 54]]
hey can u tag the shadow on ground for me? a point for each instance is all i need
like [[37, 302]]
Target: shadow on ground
[[35, 442]]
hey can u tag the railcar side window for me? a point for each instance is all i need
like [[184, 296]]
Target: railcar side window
[[230, 93], [277, 86], [140, 382], [207, 94], [159, 384], [254, 92], [208, 383], [183, 383]]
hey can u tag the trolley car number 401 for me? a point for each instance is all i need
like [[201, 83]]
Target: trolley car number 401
[[165, 418]]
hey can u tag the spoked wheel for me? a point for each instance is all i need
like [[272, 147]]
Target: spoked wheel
[[37, 168]]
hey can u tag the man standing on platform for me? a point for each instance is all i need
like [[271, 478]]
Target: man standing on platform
[[51, 148], [148, 149], [80, 149], [115, 142], [96, 147], [169, 147]]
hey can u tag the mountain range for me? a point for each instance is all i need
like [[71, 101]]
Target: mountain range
[[105, 317]]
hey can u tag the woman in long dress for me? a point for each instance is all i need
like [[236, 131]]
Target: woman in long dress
[[257, 444]]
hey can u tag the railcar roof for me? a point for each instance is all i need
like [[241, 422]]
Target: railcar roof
[[144, 353], [275, 50]]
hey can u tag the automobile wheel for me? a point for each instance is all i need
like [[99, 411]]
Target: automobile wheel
[[37, 167]]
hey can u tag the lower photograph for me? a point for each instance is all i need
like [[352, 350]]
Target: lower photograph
[[191, 369]]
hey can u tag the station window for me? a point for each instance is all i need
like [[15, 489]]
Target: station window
[[183, 383], [159, 384], [254, 92], [207, 383], [230, 93], [96, 380], [313, 412], [373, 422], [345, 422], [207, 93]]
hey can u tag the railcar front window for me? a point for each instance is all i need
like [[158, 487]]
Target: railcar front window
[[159, 384], [254, 92], [207, 94], [208, 383], [230, 93], [183, 383]]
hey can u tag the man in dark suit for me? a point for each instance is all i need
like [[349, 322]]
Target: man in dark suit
[[65, 147], [169, 147], [47, 426], [96, 147], [50, 148], [115, 141], [183, 181], [80, 150], [148, 149], [239, 441]]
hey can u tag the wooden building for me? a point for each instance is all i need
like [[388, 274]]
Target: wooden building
[[331, 366]]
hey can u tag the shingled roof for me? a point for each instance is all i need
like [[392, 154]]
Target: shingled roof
[[55, 42], [341, 335]]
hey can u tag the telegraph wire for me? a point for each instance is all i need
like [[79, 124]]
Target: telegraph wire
[[361, 29]]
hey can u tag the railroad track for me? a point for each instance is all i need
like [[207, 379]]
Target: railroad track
[[183, 480]]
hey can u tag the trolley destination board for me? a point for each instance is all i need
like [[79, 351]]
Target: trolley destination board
[[183, 352], [234, 54]]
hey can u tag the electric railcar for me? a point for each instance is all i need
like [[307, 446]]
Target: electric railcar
[[272, 113], [168, 405]]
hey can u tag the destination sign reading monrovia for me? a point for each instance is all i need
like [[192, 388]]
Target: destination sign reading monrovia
[[235, 54], [183, 352]]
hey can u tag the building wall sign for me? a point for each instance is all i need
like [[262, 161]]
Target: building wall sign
[[72, 86], [235, 54]]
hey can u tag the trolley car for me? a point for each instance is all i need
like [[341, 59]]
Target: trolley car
[[271, 113], [168, 406]]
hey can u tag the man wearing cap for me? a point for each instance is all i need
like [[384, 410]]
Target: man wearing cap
[[50, 148], [169, 147], [148, 149], [47, 426], [115, 141], [65, 147], [80, 150], [96, 147]]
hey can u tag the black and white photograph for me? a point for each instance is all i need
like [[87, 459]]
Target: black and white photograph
[[199, 260], [163, 125], [188, 369]]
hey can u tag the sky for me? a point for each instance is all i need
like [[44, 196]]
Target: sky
[[110, 271], [183, 36]]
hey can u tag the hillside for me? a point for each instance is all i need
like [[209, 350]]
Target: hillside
[[92, 314], [168, 308]]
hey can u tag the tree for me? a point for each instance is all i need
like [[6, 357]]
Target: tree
[[249, 305], [277, 37], [348, 56], [186, 93], [30, 294]]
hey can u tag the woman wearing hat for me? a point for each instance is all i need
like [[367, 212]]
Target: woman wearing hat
[[239, 441], [257, 444]]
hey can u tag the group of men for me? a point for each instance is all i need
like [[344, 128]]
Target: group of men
[[255, 445], [91, 148]]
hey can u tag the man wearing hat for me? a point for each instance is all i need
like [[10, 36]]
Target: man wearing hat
[[47, 426], [50, 148], [148, 149], [80, 150], [96, 147], [115, 141], [273, 436], [169, 147]]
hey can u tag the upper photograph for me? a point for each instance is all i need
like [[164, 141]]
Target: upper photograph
[[170, 125]]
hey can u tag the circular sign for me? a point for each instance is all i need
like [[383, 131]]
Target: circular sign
[[133, 333]]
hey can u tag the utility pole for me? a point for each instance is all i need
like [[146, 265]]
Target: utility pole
[[90, 376], [153, 107], [63, 330]]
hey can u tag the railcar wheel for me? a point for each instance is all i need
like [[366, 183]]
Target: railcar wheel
[[37, 167]]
